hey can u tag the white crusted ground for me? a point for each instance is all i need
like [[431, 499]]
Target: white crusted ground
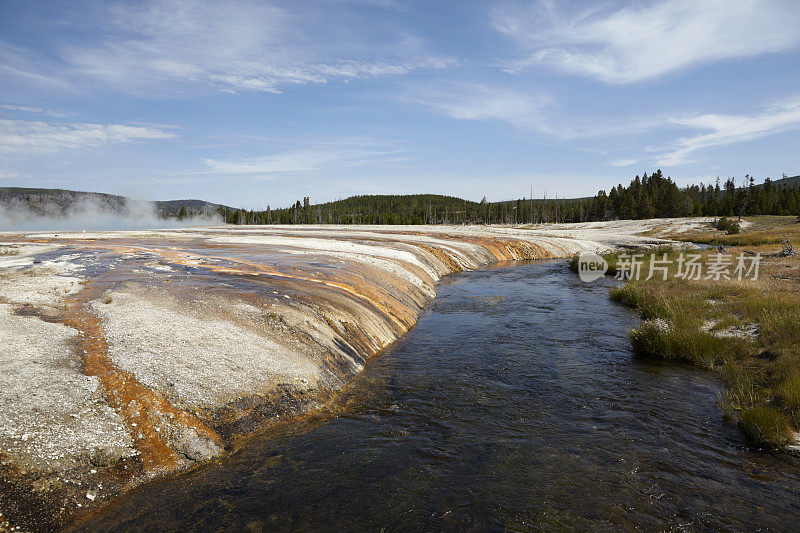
[[43, 284], [628, 230], [195, 360], [51, 415]]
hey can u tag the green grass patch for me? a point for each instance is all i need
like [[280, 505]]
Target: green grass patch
[[656, 338], [766, 425], [788, 393], [626, 294], [702, 322]]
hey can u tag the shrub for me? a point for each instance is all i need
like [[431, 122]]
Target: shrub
[[731, 227]]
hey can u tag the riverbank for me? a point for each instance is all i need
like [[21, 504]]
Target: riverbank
[[515, 403], [745, 330], [141, 353]]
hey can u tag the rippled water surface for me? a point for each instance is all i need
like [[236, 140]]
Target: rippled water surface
[[515, 403]]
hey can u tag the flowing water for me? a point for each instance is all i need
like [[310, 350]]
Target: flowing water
[[515, 403]]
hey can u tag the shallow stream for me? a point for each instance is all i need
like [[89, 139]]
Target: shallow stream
[[517, 403]]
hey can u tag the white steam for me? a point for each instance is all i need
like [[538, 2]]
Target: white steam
[[93, 214]]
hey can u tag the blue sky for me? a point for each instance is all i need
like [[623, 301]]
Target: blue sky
[[256, 103]]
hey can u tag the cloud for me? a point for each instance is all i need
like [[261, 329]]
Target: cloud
[[524, 110], [25, 137], [160, 47], [32, 109], [729, 129], [319, 157], [27, 65], [532, 110], [26, 109], [622, 163], [641, 42], [537, 112]]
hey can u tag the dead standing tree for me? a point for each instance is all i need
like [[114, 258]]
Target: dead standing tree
[[787, 247]]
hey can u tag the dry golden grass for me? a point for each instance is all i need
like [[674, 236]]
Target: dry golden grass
[[762, 230], [747, 331]]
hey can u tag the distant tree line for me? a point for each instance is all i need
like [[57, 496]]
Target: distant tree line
[[659, 197], [653, 196]]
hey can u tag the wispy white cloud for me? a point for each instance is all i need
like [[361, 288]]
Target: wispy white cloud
[[161, 47], [524, 110], [645, 41], [622, 162], [318, 157], [32, 109], [532, 110], [29, 66], [535, 111], [729, 129], [26, 109], [23, 137]]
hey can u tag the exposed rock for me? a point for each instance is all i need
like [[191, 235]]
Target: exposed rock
[[188, 442], [744, 331]]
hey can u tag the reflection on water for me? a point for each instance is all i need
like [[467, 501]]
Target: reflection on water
[[515, 403]]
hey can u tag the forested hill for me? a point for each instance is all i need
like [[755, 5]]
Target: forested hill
[[788, 182], [406, 209], [173, 207], [60, 201], [645, 196]]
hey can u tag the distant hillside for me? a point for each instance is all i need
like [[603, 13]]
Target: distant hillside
[[782, 183], [787, 182], [173, 207], [59, 201], [408, 209]]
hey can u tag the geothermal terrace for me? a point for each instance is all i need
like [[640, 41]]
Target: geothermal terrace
[[129, 354]]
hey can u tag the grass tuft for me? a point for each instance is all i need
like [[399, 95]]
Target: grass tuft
[[788, 392], [766, 425], [626, 294], [656, 338]]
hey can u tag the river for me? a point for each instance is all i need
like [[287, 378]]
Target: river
[[515, 403]]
